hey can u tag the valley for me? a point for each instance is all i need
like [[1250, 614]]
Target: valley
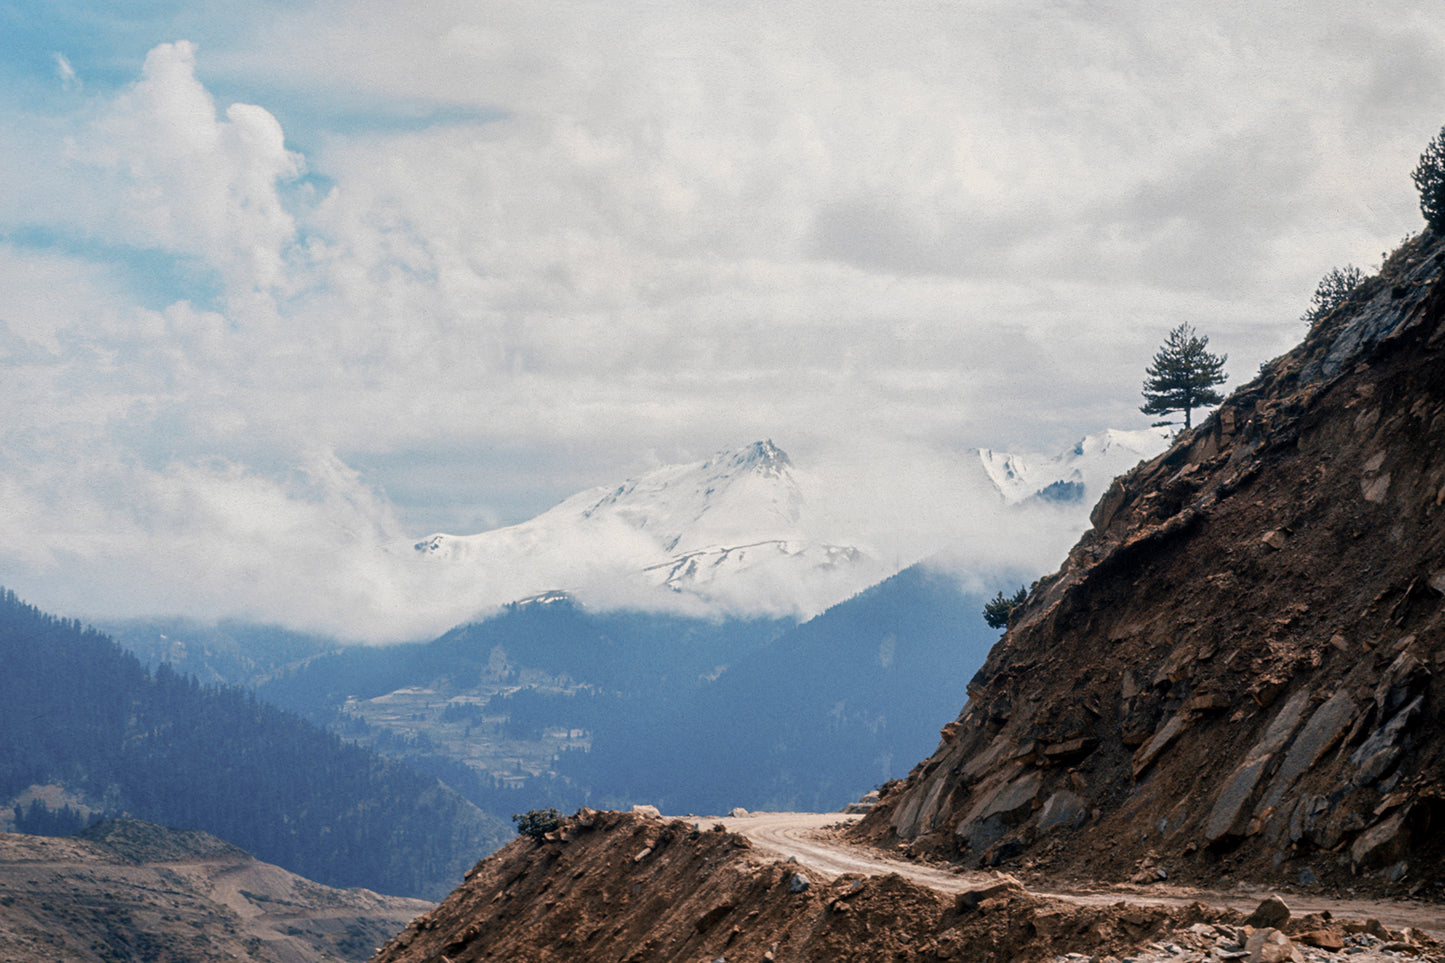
[[1149, 749], [453, 453], [552, 700], [467, 728]]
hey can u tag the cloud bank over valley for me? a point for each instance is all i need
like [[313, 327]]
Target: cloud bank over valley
[[286, 288]]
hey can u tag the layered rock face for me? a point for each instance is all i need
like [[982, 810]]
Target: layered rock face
[[1240, 670]]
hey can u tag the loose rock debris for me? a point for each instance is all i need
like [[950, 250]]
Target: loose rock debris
[[580, 896]]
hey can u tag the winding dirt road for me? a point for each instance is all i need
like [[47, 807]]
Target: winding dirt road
[[803, 837]]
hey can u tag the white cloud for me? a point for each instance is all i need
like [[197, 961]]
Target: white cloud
[[636, 229], [162, 170], [110, 537], [66, 73]]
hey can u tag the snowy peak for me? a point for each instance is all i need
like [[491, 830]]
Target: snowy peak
[[1080, 473], [747, 531], [733, 531], [740, 495], [762, 457]]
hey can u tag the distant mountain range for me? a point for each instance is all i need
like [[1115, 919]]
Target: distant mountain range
[[551, 699], [744, 533], [733, 534], [1079, 474], [551, 703]]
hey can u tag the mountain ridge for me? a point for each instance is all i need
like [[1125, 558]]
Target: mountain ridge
[[730, 533], [745, 531], [79, 713]]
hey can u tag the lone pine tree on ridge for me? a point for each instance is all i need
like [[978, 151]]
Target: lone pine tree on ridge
[[1183, 375]]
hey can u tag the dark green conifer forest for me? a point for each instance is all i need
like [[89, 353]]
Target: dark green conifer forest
[[79, 712]]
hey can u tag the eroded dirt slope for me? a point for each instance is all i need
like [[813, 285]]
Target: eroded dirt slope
[[625, 887], [1237, 674], [131, 890]]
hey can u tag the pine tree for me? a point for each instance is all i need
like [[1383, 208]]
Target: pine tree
[[1333, 290], [997, 611], [1183, 375], [1429, 178]]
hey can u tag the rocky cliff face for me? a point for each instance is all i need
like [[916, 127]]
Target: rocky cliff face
[[1240, 670]]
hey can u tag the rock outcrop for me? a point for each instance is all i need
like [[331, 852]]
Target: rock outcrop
[[1240, 670]]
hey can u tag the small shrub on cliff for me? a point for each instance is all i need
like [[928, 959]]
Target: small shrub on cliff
[[537, 822], [1332, 291], [1429, 177], [996, 612]]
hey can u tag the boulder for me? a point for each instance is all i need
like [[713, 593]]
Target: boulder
[[1405, 679], [1270, 946], [1070, 750], [1016, 794], [1383, 740], [1272, 912], [1230, 811], [916, 816], [1376, 766], [995, 809], [1156, 744], [1323, 730], [1381, 844], [1228, 815], [1003, 886], [1063, 809]]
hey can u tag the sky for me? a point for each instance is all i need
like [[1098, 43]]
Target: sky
[[284, 282]]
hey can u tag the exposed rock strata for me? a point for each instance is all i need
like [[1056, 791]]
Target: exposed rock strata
[[1239, 669]]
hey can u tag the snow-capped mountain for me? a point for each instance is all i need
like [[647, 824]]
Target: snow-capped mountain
[[746, 532], [1080, 474], [732, 533]]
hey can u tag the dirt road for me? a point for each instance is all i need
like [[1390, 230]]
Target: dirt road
[[803, 836]]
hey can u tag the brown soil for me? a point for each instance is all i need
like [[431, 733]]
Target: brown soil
[[626, 887], [824, 841], [136, 891]]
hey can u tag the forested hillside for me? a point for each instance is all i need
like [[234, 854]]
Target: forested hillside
[[78, 712], [830, 710], [552, 704]]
